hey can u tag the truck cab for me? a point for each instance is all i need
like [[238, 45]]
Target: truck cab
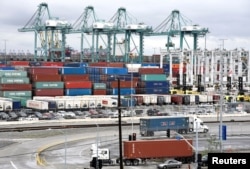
[[103, 154], [197, 125]]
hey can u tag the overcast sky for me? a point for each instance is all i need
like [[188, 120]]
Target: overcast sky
[[225, 19]]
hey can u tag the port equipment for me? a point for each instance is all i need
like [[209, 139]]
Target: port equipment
[[48, 30]]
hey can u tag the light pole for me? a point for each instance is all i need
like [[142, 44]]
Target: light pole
[[65, 147], [5, 50], [97, 139], [120, 125]]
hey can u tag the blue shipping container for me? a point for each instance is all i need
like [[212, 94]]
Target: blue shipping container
[[7, 68], [77, 92], [123, 91], [149, 125], [75, 64], [128, 102], [16, 105], [114, 71], [156, 90], [73, 70], [153, 84]]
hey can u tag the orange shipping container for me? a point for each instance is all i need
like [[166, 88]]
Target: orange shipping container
[[78, 84], [54, 64]]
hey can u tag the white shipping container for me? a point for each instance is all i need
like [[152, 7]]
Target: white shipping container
[[192, 99], [1, 105], [203, 98], [60, 104], [36, 104], [153, 99], [69, 104], [7, 105], [77, 104], [167, 99]]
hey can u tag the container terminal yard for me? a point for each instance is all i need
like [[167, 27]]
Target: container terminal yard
[[58, 90]]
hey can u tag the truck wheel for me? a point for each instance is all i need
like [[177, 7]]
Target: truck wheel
[[128, 163], [136, 162], [206, 130]]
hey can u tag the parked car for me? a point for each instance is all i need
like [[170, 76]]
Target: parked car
[[170, 164], [204, 160]]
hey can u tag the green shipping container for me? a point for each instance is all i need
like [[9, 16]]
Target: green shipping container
[[14, 80], [13, 73], [99, 86], [15, 94], [153, 77], [49, 85], [22, 99]]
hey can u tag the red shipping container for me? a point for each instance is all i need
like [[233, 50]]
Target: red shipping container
[[15, 87], [55, 64], [99, 92], [78, 84], [20, 63], [98, 64], [48, 92], [43, 70], [75, 77], [164, 148], [151, 71], [123, 84], [45, 78], [115, 64]]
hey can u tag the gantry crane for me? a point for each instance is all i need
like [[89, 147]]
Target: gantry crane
[[84, 26], [176, 24], [47, 29], [127, 25]]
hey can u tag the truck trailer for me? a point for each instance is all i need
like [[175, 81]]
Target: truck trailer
[[180, 124], [137, 152]]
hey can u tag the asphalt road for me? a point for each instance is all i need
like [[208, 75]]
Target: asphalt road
[[19, 149]]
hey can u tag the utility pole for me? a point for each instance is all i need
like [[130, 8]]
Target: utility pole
[[5, 50], [223, 40]]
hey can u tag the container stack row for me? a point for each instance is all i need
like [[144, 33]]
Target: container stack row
[[15, 84]]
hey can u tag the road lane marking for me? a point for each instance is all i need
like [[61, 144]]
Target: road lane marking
[[13, 165]]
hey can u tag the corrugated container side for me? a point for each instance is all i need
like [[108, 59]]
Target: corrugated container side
[[115, 64], [19, 63], [23, 100], [48, 85], [73, 70], [78, 84], [114, 71], [13, 73], [169, 148], [17, 87], [13, 80], [7, 68], [153, 77], [77, 92], [46, 78], [158, 90], [54, 64], [99, 92], [98, 64], [84, 77], [123, 84], [123, 91], [48, 92], [151, 70], [15, 94], [43, 70], [99, 86], [153, 84], [16, 105], [75, 64]]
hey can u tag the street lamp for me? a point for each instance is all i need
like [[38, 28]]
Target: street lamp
[[65, 147], [5, 50], [120, 125]]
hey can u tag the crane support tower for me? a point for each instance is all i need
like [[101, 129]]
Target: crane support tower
[[51, 31]]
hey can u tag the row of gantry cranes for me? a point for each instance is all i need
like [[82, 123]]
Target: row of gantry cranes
[[100, 39]]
